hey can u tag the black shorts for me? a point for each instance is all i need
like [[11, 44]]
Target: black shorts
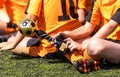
[[116, 41]]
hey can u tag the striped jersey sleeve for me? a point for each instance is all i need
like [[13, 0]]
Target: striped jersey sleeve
[[116, 16], [94, 13]]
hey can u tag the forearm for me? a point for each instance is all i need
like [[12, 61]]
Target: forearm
[[106, 29], [82, 31], [18, 37]]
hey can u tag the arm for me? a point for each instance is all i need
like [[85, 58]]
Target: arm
[[15, 40], [102, 33], [84, 31], [19, 36], [32, 13], [81, 15], [106, 29], [82, 10], [79, 33], [109, 27]]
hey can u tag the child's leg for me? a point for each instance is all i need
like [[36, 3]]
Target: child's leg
[[82, 61]]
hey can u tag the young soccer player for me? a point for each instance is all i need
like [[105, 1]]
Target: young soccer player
[[107, 48], [106, 13], [11, 13], [65, 15], [15, 11]]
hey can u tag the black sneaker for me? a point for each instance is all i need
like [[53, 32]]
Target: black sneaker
[[85, 66]]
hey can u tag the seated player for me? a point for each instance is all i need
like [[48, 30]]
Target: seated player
[[62, 17], [107, 48], [105, 13], [11, 13]]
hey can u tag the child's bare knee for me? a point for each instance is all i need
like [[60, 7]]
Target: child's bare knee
[[94, 47]]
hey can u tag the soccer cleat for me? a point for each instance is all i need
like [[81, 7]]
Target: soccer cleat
[[85, 66]]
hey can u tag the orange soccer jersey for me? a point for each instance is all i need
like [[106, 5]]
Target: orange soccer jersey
[[55, 16], [85, 4], [15, 10], [102, 12]]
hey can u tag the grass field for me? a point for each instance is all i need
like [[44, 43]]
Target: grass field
[[21, 66]]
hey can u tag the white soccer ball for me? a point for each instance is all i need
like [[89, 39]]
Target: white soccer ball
[[27, 27]]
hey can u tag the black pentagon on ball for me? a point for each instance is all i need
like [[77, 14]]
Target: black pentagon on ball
[[33, 24], [20, 31], [28, 32]]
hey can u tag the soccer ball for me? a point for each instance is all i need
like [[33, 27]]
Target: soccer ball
[[27, 27]]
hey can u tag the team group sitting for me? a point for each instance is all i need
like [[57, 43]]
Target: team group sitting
[[82, 31]]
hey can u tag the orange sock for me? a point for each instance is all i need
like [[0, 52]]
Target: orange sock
[[85, 54]]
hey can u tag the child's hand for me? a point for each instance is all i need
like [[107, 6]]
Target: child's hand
[[72, 45], [61, 35]]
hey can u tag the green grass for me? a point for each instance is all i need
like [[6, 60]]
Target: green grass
[[21, 66]]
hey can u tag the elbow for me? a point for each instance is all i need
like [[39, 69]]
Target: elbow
[[89, 28], [88, 32]]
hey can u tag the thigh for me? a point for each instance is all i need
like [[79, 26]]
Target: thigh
[[111, 50]]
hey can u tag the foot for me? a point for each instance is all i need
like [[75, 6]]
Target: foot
[[85, 66]]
